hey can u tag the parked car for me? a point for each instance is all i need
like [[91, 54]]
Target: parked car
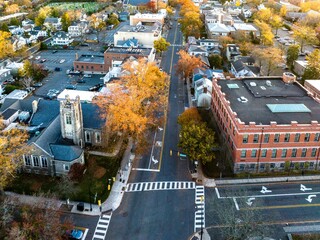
[[57, 69], [38, 84], [75, 234], [43, 60], [81, 80], [71, 87], [38, 57], [87, 76], [62, 60], [95, 87], [84, 44], [54, 51]]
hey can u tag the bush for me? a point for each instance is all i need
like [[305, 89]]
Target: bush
[[9, 88], [76, 172]]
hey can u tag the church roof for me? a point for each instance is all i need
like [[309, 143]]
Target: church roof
[[91, 116], [65, 152], [42, 115]]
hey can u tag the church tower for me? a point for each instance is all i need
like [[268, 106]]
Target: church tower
[[71, 120]]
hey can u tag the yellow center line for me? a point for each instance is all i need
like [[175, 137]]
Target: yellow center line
[[166, 107]]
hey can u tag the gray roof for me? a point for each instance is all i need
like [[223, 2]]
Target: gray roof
[[65, 152], [60, 34], [8, 113], [256, 110], [96, 58], [22, 105], [47, 111], [91, 116], [140, 51], [51, 20]]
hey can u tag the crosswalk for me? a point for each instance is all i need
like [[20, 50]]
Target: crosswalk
[[199, 215], [152, 186], [102, 227]]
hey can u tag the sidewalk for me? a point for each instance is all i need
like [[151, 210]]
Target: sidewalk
[[112, 202]]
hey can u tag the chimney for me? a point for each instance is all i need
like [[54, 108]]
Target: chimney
[[34, 106], [77, 57], [288, 77]]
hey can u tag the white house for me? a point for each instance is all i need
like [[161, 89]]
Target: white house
[[217, 29], [77, 29], [233, 50], [53, 24], [197, 50], [61, 39], [146, 35]]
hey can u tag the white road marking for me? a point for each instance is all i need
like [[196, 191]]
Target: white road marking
[[236, 204], [217, 192], [199, 215], [146, 169], [102, 227], [309, 199], [153, 186]]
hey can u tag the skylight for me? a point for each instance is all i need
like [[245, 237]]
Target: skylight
[[232, 85], [288, 108]]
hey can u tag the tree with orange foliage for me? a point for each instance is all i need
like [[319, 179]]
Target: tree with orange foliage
[[132, 105], [12, 147], [187, 64]]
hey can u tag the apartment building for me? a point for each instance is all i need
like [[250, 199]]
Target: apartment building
[[267, 123]]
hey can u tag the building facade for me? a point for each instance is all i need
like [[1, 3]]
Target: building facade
[[267, 124]]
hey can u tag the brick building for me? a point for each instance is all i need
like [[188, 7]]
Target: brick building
[[313, 86], [267, 123], [101, 63]]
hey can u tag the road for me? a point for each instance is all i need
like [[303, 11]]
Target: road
[[163, 212], [280, 204]]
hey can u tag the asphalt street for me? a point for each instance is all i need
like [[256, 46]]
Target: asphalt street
[[166, 213]]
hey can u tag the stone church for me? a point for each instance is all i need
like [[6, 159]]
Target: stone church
[[59, 131]]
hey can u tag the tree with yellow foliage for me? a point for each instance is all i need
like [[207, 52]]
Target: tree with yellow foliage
[[283, 11], [304, 35], [132, 105], [187, 63], [42, 15], [276, 22], [266, 35], [12, 8], [6, 48], [191, 24], [12, 147], [268, 57], [264, 14]]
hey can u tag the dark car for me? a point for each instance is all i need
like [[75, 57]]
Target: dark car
[[81, 80], [54, 51], [84, 44], [43, 60], [95, 87], [38, 84], [71, 87], [57, 69]]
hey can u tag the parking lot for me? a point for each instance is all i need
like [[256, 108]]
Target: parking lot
[[59, 80]]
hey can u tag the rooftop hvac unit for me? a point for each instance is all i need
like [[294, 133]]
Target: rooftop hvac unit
[[268, 83]]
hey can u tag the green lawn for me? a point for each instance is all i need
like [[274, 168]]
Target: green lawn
[[99, 170], [88, 7]]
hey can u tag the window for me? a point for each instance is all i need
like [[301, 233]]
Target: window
[[88, 137], [255, 138], [245, 138], [274, 153], [68, 119], [281, 165], [27, 160], [66, 167], [35, 161], [263, 152], [297, 137], [252, 166], [243, 153], [287, 137], [262, 166], [294, 152], [98, 137], [311, 165], [44, 162], [317, 137], [307, 137], [276, 137], [266, 138], [313, 152], [253, 153], [241, 166], [272, 165], [304, 152], [284, 153]]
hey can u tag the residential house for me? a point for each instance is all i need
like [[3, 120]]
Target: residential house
[[54, 24], [36, 35], [146, 35], [266, 123], [202, 85], [217, 29], [124, 16], [244, 27], [246, 13], [197, 50], [290, 7], [57, 137], [16, 30], [18, 42], [232, 51], [244, 67], [77, 29], [61, 38]]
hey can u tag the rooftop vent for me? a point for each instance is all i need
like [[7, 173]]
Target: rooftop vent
[[253, 84], [268, 83], [263, 87]]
